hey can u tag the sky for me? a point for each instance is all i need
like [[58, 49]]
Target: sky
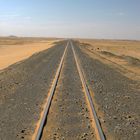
[[106, 19]]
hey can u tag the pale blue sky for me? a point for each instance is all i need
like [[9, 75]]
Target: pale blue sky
[[118, 19]]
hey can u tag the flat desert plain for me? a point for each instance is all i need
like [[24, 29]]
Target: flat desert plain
[[13, 50], [123, 54]]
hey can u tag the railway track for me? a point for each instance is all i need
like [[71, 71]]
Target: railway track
[[98, 130]]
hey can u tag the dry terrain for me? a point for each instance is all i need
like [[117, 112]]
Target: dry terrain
[[122, 54], [111, 72], [23, 91], [115, 88], [13, 50]]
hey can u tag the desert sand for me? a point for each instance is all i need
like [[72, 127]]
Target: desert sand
[[15, 50], [118, 47], [125, 54]]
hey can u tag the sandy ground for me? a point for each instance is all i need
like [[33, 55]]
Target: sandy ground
[[129, 48], [125, 55], [24, 87], [14, 50]]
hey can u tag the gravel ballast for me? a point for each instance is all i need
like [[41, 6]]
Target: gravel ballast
[[117, 98], [23, 89], [69, 117]]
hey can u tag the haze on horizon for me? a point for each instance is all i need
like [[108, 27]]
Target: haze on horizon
[[106, 19]]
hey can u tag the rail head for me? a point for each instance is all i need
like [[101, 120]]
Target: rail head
[[98, 129], [38, 132]]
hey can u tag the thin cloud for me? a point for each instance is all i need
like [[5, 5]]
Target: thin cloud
[[116, 14], [120, 14], [28, 17], [14, 18], [9, 16]]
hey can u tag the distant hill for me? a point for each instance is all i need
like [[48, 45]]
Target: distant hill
[[12, 36]]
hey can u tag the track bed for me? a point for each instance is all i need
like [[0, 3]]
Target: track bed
[[69, 116]]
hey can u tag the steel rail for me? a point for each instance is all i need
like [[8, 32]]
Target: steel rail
[[50, 96], [98, 129]]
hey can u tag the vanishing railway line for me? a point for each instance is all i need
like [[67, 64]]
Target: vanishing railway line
[[95, 122]]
